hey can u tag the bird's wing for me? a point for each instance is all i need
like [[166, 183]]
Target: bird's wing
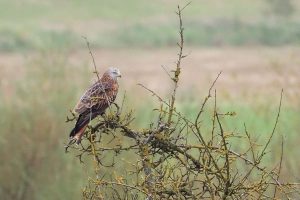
[[98, 95]]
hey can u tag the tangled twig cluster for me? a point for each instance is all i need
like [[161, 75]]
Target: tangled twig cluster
[[173, 158]]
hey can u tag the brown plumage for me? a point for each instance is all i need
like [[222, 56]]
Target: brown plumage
[[95, 101]]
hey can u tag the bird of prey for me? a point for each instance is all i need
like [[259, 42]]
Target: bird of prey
[[95, 101]]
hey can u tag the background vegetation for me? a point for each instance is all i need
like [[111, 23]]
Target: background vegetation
[[44, 67], [33, 25]]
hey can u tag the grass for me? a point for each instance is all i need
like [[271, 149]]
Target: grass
[[133, 9], [219, 33], [35, 25], [35, 164]]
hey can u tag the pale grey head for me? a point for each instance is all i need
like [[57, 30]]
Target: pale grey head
[[114, 72]]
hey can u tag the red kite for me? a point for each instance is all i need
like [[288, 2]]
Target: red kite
[[95, 101]]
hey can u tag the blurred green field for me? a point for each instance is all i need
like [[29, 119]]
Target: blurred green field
[[45, 67], [35, 25]]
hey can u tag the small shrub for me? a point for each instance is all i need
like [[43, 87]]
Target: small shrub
[[172, 158]]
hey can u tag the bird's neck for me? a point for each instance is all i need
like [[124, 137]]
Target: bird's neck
[[106, 78]]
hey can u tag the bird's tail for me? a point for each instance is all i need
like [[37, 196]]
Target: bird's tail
[[79, 128], [81, 124]]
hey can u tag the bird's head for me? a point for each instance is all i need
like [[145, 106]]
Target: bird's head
[[114, 73]]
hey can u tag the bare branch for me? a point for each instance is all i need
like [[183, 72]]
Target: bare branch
[[94, 63], [280, 166], [274, 128]]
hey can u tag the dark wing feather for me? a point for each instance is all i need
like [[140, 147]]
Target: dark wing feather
[[84, 119], [96, 95]]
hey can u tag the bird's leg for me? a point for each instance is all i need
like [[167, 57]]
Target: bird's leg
[[76, 139]]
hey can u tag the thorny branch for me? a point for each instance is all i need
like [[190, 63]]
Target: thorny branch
[[90, 52], [177, 70], [96, 71]]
